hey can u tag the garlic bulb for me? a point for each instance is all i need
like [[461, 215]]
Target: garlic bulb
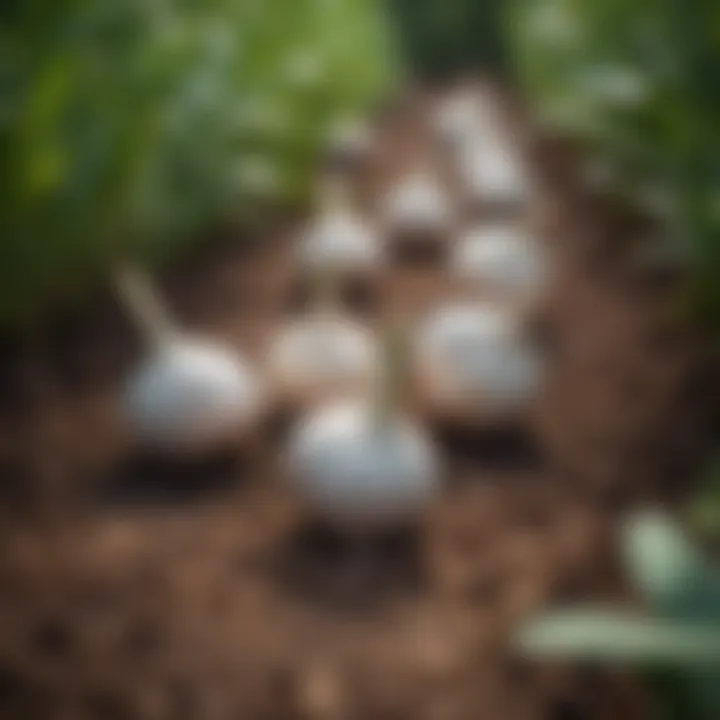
[[470, 118], [339, 240], [475, 352], [418, 204], [501, 259], [455, 120], [321, 354], [467, 115], [359, 473], [492, 172], [188, 393]]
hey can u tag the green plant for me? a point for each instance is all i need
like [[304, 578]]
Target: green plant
[[189, 394], [678, 642], [128, 127], [444, 37], [703, 511], [638, 82]]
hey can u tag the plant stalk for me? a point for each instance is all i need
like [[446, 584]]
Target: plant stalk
[[144, 306], [390, 382]]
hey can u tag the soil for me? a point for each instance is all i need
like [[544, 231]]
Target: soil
[[133, 586]]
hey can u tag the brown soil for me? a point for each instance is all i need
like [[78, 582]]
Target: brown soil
[[132, 587]]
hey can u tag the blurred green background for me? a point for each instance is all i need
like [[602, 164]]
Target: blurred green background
[[128, 127], [131, 127]]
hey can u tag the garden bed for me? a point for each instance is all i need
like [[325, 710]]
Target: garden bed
[[135, 588]]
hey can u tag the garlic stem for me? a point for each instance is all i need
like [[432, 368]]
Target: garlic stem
[[144, 306], [389, 386]]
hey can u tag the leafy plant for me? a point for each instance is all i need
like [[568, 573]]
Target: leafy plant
[[678, 642], [637, 81], [127, 127], [703, 511], [444, 37]]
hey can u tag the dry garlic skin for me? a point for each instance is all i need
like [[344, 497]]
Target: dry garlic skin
[[360, 473], [340, 241], [190, 393], [418, 203], [322, 351], [475, 351], [502, 259]]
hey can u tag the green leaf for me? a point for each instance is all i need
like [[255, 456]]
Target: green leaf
[[617, 637], [673, 574]]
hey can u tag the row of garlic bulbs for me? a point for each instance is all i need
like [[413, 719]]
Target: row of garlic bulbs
[[498, 256], [356, 458]]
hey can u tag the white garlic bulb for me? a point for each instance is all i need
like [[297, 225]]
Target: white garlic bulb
[[464, 117], [322, 353], [475, 352], [493, 172], [190, 394], [418, 204], [502, 259], [455, 120], [361, 473], [340, 241]]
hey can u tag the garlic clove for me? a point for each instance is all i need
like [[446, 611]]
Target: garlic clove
[[493, 173], [322, 354], [467, 116], [455, 120], [502, 259], [190, 394], [475, 352], [418, 203], [340, 241], [357, 474]]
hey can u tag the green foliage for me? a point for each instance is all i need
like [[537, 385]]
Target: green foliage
[[703, 512], [638, 81], [128, 126], [444, 37], [678, 641]]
